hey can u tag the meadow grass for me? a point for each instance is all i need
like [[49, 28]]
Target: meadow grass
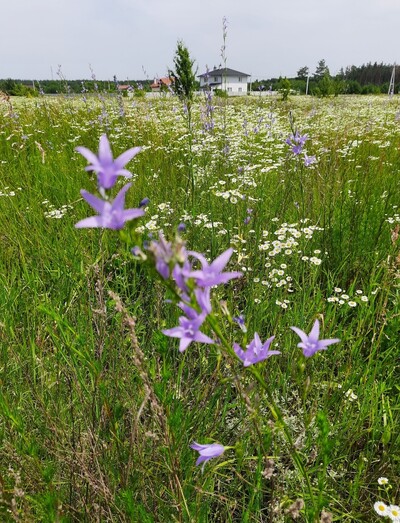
[[97, 413]]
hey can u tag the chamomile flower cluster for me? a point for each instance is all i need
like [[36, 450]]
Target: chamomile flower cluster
[[395, 218], [354, 299], [283, 250], [6, 191], [54, 213]]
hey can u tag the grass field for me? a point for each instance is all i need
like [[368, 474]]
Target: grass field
[[97, 415]]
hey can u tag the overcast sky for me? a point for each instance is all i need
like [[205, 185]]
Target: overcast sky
[[136, 39]]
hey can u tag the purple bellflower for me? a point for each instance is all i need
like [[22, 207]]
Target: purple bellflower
[[111, 215], [241, 322], [167, 254], [311, 344], [188, 330], [256, 351], [296, 142], [211, 274], [309, 160], [144, 202], [207, 452], [203, 299], [181, 273], [106, 168], [163, 253]]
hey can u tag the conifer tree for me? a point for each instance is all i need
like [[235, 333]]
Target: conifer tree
[[184, 80]]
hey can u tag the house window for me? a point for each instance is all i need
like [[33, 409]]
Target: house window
[[229, 89], [215, 78], [240, 79], [240, 90]]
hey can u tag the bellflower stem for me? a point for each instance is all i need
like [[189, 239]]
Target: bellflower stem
[[273, 407]]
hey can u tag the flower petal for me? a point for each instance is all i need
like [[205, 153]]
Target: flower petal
[[131, 214], [202, 338], [184, 344], [97, 203], [314, 334], [88, 154], [126, 156], [105, 153], [219, 263], [326, 343], [301, 334], [93, 221], [119, 201]]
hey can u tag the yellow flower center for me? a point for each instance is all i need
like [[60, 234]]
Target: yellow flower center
[[381, 508], [395, 512]]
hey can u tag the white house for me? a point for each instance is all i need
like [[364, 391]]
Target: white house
[[229, 80]]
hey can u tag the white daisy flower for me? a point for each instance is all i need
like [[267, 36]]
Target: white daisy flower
[[381, 508], [383, 481], [394, 512]]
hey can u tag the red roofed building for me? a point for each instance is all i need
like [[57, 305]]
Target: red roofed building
[[160, 83]]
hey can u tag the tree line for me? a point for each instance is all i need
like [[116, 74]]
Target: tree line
[[61, 86], [370, 78]]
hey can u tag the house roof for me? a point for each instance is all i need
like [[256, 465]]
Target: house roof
[[223, 71], [161, 81]]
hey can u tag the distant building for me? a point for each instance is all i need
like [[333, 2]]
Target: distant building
[[125, 90], [225, 79], [159, 83]]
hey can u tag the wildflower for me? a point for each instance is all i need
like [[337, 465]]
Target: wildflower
[[211, 274], [167, 254], [383, 481], [311, 344], [394, 512], [350, 395], [309, 160], [207, 452], [381, 508], [106, 168], [144, 202], [204, 300], [352, 304], [241, 322], [256, 351], [111, 215], [180, 273], [296, 141], [188, 331]]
